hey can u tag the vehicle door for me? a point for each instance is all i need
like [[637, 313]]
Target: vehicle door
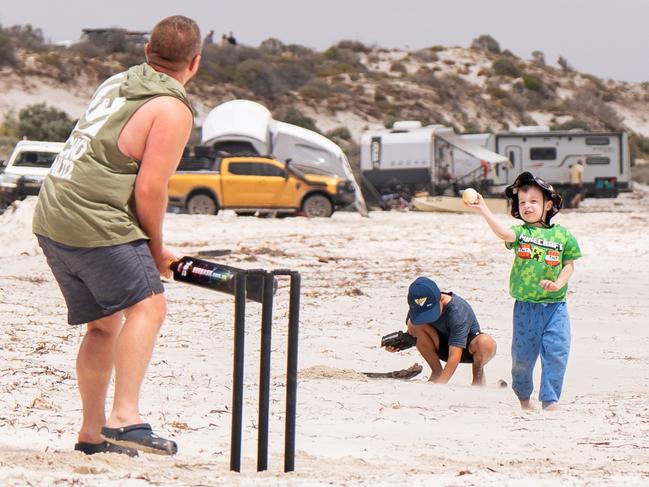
[[255, 185], [276, 187], [508, 173], [238, 183]]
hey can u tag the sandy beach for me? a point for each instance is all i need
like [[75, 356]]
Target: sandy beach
[[351, 430]]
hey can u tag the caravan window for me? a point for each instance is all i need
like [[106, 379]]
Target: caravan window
[[543, 153], [599, 140], [597, 160]]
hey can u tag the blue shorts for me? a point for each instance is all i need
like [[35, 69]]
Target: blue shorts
[[99, 281]]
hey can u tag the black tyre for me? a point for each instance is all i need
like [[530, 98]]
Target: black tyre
[[317, 205], [202, 204]]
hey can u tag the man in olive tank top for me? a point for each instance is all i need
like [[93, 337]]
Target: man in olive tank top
[[99, 222]]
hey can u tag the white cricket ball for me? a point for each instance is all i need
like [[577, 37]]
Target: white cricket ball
[[470, 196]]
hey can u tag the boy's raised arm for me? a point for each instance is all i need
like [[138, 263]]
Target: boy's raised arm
[[501, 231]]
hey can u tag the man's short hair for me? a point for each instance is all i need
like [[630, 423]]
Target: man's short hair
[[174, 42]]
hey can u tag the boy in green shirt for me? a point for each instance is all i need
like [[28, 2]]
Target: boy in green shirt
[[543, 263]]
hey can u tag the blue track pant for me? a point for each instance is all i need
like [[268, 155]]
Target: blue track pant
[[540, 328]]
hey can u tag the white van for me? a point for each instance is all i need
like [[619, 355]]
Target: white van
[[26, 168]]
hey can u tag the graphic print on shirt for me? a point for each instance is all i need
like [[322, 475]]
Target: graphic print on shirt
[[552, 258], [101, 108], [540, 253]]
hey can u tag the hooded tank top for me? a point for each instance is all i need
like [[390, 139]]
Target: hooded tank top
[[87, 200]]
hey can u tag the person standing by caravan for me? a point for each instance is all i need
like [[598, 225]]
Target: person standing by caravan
[[576, 184], [99, 222], [543, 263]]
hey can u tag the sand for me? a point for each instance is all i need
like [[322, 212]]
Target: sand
[[351, 430]]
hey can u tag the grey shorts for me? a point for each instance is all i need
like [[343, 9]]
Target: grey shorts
[[99, 281]]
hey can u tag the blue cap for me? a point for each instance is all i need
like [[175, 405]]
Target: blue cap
[[423, 300]]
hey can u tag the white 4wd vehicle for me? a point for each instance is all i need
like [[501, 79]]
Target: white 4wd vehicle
[[26, 168]]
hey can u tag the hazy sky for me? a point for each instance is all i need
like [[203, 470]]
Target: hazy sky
[[609, 39]]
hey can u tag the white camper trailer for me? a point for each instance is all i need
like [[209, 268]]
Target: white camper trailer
[[246, 127], [413, 158], [550, 154]]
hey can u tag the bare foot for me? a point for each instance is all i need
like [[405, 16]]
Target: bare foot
[[553, 406], [527, 405]]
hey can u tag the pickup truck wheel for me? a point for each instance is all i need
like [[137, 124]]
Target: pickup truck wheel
[[317, 206], [202, 204]]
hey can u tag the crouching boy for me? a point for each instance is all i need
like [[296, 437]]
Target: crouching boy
[[446, 330]]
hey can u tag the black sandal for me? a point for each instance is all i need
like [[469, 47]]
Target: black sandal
[[104, 447], [140, 437]]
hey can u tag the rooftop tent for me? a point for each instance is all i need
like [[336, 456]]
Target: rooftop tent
[[238, 120], [237, 124], [307, 148]]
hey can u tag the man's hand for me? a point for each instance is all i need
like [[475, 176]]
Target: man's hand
[[162, 262]]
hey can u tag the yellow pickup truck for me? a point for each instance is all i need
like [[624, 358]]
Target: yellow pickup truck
[[256, 185]]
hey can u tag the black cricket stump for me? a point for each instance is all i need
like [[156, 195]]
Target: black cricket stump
[[264, 367]]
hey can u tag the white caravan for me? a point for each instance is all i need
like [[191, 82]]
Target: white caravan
[[411, 158], [246, 127], [550, 154]]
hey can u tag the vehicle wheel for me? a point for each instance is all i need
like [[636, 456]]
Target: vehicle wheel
[[202, 204], [245, 213], [317, 206]]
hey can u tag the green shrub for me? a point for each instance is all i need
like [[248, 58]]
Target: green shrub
[[398, 68], [640, 173], [272, 46], [355, 46], [573, 123], [40, 122], [339, 133], [426, 55], [88, 50], [260, 78], [538, 58], [486, 43], [7, 51], [388, 121], [296, 117], [641, 142], [532, 82], [589, 104], [563, 62], [506, 67], [315, 91], [332, 69], [496, 92], [292, 74], [342, 55], [26, 37]]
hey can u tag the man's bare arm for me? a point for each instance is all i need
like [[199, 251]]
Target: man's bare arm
[[171, 125]]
